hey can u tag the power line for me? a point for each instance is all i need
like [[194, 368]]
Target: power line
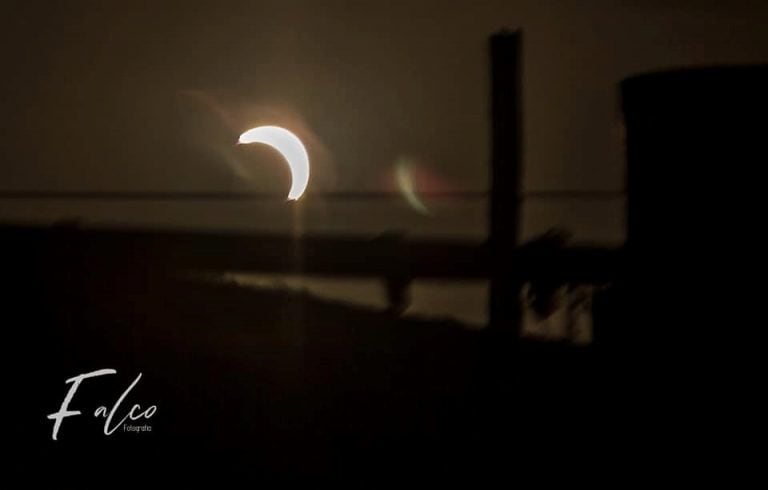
[[264, 196]]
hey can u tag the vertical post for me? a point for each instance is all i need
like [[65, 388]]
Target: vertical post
[[506, 160]]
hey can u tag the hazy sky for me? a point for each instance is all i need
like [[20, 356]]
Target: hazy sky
[[152, 95]]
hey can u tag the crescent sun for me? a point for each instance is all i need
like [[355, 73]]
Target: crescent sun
[[292, 150]]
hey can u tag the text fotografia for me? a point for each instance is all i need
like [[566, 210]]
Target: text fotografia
[[134, 414], [137, 428]]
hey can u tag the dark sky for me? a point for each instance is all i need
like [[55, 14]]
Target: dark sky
[[152, 95]]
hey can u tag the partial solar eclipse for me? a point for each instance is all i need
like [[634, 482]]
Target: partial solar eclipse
[[292, 150]]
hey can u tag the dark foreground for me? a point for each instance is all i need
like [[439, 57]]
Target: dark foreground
[[267, 385]]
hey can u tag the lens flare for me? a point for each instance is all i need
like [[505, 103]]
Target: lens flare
[[405, 182]]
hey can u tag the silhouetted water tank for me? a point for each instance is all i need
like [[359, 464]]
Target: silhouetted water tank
[[696, 150]]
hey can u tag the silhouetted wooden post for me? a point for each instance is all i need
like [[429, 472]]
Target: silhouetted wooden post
[[506, 160]]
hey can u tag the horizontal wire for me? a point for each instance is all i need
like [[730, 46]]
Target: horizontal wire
[[255, 196]]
